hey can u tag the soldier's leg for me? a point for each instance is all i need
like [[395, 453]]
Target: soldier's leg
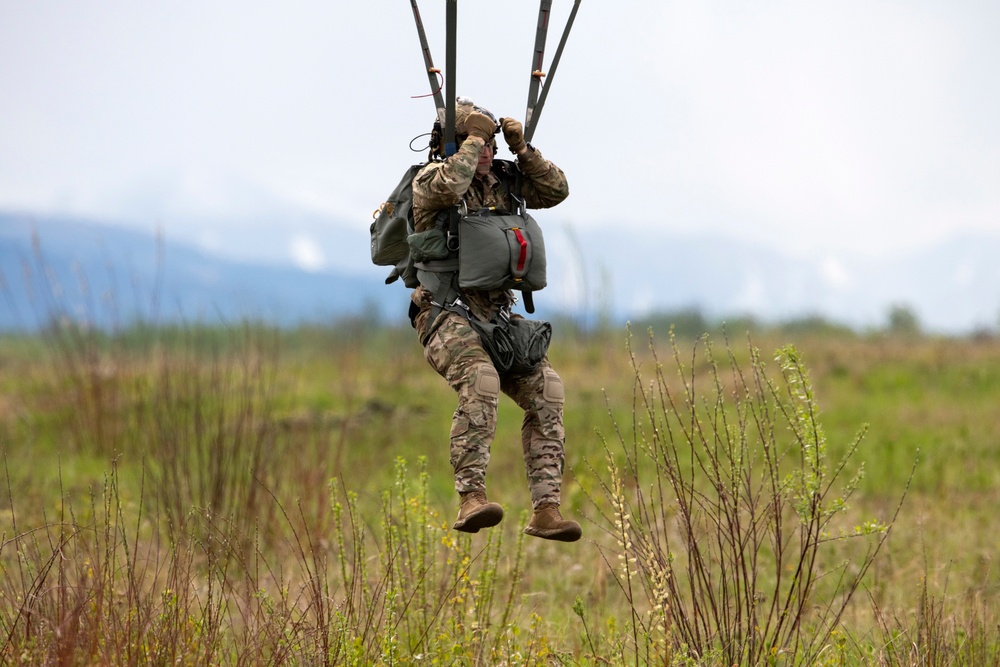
[[456, 353], [541, 395]]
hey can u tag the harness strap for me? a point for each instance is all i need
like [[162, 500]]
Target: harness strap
[[494, 335], [445, 270], [529, 302], [443, 299], [438, 265]]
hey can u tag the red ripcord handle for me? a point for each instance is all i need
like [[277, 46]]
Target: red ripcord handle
[[523, 256]]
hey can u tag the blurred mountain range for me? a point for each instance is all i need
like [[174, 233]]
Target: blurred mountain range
[[106, 275]]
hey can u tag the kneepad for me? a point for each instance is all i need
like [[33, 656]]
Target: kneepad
[[487, 382], [553, 390]]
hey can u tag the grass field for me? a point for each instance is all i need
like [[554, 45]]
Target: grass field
[[247, 496]]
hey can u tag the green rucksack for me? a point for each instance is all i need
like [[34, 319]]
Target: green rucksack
[[393, 223]]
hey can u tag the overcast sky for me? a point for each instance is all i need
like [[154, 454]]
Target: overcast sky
[[854, 125]]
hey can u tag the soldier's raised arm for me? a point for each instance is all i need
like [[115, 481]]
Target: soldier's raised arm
[[443, 184], [544, 183]]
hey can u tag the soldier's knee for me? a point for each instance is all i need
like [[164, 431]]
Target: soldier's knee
[[479, 389], [553, 391], [486, 383], [549, 407], [476, 415]]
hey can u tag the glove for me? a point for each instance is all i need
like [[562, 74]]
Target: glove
[[513, 133], [480, 125]]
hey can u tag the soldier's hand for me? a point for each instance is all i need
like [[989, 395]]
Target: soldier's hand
[[513, 133], [480, 125]]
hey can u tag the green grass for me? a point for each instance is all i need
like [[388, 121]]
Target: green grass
[[207, 495]]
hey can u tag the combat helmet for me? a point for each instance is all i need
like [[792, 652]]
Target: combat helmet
[[463, 107]]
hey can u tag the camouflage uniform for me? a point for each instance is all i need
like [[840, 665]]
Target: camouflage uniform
[[455, 350]]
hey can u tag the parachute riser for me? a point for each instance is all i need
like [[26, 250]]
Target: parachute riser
[[537, 93], [535, 103], [433, 73]]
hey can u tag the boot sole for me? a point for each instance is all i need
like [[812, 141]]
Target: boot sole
[[571, 534], [484, 518]]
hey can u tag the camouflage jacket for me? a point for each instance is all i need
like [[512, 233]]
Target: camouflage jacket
[[443, 184]]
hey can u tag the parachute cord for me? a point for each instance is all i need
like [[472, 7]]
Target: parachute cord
[[417, 150], [434, 70]]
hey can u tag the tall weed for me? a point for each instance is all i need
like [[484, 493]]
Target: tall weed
[[94, 585], [727, 515]]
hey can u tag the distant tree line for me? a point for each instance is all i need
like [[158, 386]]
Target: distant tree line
[[901, 321]]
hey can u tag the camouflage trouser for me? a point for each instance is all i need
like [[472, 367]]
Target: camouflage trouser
[[456, 353]]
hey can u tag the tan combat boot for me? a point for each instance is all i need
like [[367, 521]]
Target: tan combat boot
[[548, 523], [477, 512]]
